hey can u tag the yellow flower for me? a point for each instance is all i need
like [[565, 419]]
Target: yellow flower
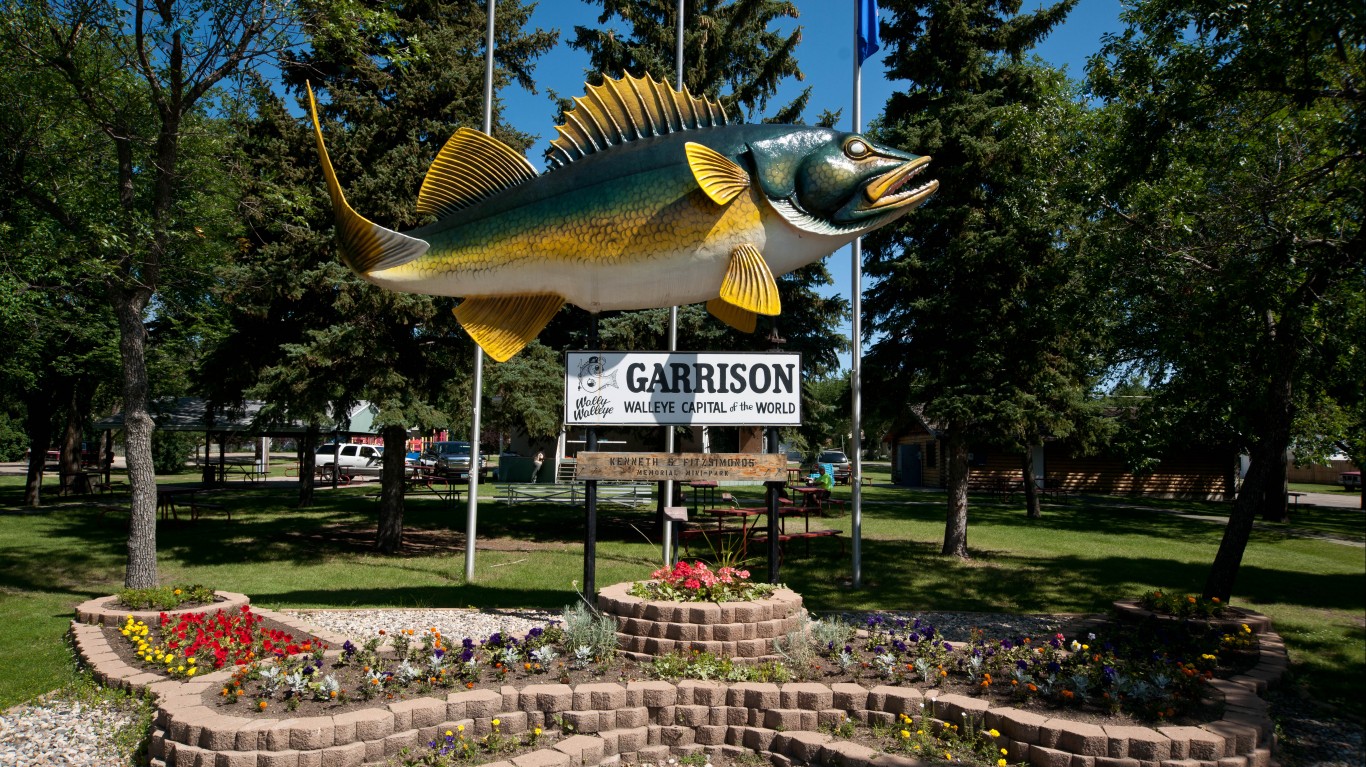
[[190, 661], [460, 728], [1000, 763], [180, 669], [495, 722], [1003, 752], [176, 592], [948, 756], [993, 732], [537, 731], [905, 734], [449, 733], [190, 671]]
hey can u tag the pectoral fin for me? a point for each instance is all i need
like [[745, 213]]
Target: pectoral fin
[[502, 325], [742, 320], [720, 178], [749, 284]]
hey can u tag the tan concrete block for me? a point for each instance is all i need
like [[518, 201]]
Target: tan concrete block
[[631, 716], [782, 719], [756, 738], [581, 749], [277, 759], [311, 733], [398, 741], [349, 755], [374, 724], [1049, 757], [1084, 739], [1137, 743], [1016, 724], [603, 696], [546, 757], [651, 694], [847, 754], [545, 698], [849, 697], [802, 746]]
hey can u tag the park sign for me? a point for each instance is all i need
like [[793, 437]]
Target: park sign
[[683, 388], [682, 467]]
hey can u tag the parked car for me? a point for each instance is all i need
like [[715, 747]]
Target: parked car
[[1350, 480], [451, 459], [840, 462], [349, 455]]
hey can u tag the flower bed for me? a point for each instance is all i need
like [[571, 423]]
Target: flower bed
[[106, 611], [187, 643], [617, 709], [742, 629]]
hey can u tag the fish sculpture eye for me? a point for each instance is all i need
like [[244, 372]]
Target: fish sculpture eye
[[856, 149]]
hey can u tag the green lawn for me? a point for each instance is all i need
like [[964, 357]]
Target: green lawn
[[1084, 553]]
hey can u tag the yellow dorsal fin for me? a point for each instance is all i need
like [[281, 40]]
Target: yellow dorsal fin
[[470, 167], [628, 109], [502, 325], [742, 320], [749, 283], [365, 246], [720, 178]]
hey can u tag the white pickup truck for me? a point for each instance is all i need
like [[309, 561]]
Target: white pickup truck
[[351, 458]]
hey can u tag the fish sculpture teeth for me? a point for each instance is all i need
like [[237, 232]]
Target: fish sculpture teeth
[[653, 198]]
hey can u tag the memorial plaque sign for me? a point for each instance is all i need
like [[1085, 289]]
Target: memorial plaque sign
[[683, 467]]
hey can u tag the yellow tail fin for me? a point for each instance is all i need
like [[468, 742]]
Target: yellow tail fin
[[365, 246]]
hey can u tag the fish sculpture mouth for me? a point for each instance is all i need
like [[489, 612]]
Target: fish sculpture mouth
[[886, 191]]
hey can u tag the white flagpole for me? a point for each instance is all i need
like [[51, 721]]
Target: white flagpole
[[472, 507], [673, 310], [856, 353]]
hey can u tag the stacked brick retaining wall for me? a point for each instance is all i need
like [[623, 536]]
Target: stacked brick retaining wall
[[744, 630], [652, 720]]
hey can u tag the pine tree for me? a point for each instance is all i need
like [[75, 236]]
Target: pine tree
[[974, 301]]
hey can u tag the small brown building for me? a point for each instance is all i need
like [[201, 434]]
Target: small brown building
[[917, 450]]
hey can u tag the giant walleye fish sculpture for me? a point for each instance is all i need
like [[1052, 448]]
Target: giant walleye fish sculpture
[[653, 200]]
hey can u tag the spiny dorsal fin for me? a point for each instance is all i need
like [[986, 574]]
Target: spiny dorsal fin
[[502, 325], [742, 320], [470, 167], [749, 283], [626, 110], [720, 178]]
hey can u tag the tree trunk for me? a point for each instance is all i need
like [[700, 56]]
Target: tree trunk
[[38, 424], [141, 571], [390, 539], [1031, 488], [956, 524], [70, 460], [308, 461], [1263, 490]]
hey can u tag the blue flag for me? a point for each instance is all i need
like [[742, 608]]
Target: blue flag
[[867, 29]]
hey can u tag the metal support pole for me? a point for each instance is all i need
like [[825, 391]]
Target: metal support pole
[[472, 506], [773, 487], [856, 353], [590, 506], [668, 487]]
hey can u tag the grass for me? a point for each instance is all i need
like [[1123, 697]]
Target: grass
[[1084, 553]]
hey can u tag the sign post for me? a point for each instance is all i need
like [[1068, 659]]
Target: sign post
[[613, 388]]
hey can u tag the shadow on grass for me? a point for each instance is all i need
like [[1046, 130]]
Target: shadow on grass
[[912, 575]]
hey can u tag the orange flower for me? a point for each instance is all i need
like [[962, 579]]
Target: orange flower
[[261, 705]]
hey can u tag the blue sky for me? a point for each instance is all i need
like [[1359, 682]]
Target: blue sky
[[824, 55]]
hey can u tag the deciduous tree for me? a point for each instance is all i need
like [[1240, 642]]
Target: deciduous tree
[[1235, 155]]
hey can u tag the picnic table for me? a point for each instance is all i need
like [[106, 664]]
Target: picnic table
[[169, 498]]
